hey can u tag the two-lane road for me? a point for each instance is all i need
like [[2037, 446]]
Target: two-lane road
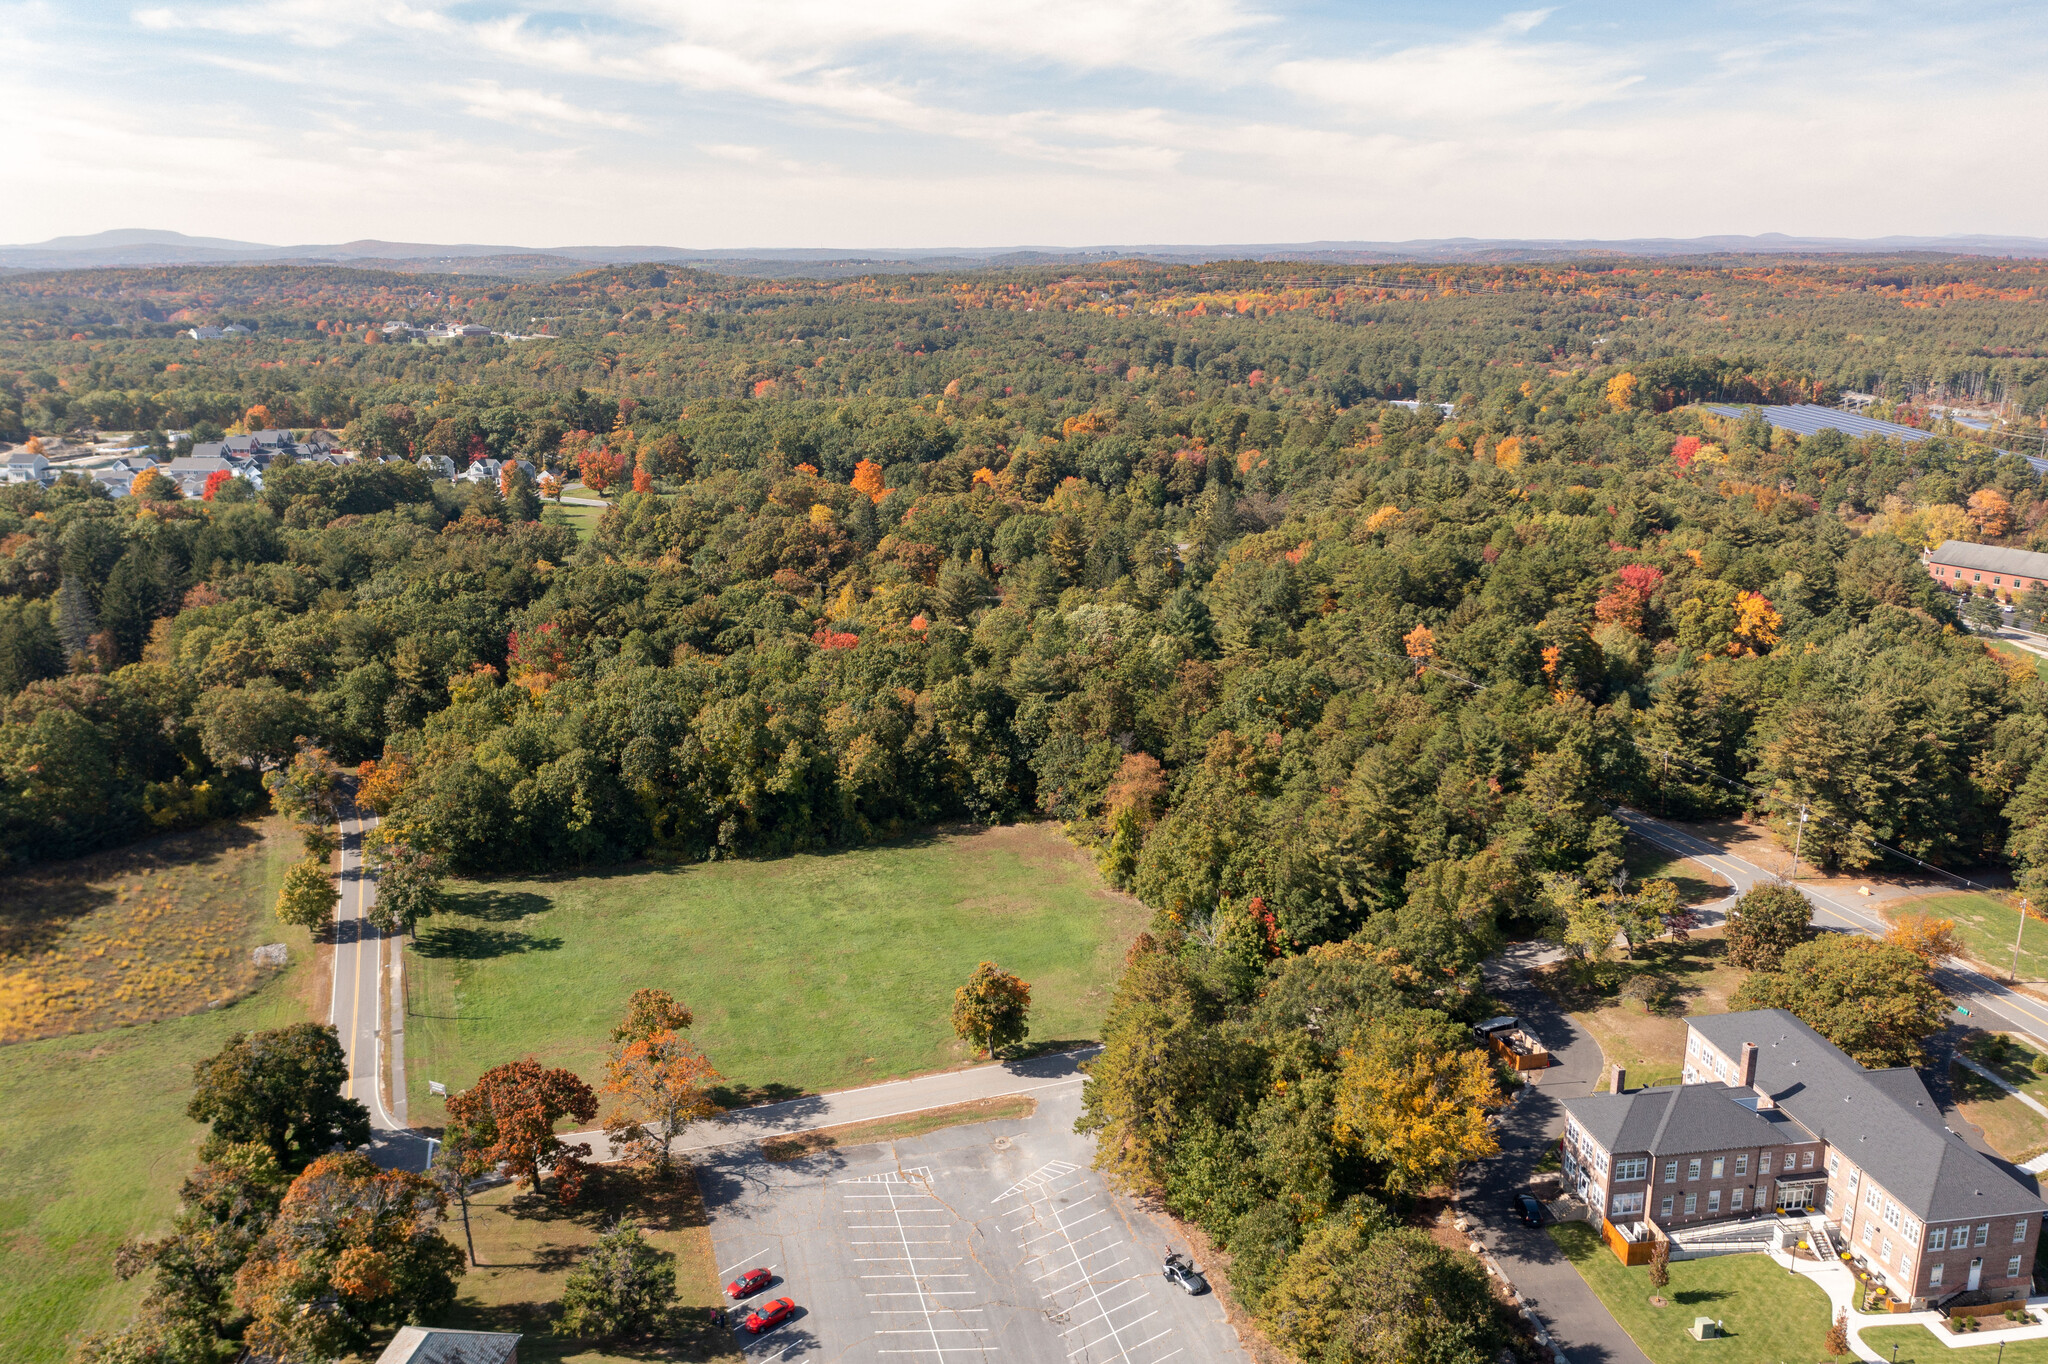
[[1991, 1003], [365, 963]]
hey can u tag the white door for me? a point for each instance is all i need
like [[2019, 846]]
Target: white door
[[1976, 1273]]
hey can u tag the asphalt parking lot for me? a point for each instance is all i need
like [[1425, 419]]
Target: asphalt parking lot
[[994, 1240]]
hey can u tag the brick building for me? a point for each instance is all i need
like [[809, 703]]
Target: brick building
[[1771, 1116], [1963, 567]]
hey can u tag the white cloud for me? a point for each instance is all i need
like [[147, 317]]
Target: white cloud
[[534, 109], [1483, 79], [745, 155]]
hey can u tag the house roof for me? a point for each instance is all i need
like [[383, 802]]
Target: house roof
[[1883, 1120], [430, 1345], [2022, 563], [1680, 1119]]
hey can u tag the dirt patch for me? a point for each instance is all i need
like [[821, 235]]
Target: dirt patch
[[906, 1125], [1637, 1009]]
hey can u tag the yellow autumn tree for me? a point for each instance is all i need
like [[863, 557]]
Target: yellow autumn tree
[[1925, 936], [1378, 520], [1420, 644], [1508, 454], [1757, 623], [1414, 1100], [1942, 522], [1621, 392], [867, 478]]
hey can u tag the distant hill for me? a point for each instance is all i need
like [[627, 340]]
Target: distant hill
[[145, 246]]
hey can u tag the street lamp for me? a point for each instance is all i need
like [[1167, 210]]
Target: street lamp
[[1797, 839]]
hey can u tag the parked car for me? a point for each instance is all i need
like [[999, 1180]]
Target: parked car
[[1182, 1274], [749, 1283], [1528, 1209], [769, 1315]]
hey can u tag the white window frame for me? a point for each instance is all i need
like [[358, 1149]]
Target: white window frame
[[1720, 1168], [1937, 1239]]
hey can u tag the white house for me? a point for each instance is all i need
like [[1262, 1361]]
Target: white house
[[23, 467]]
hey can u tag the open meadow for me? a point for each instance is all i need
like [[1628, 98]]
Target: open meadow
[[806, 973]]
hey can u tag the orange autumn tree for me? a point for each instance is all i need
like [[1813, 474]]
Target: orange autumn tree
[[257, 418], [660, 1083], [152, 486], [510, 1114], [1925, 936], [215, 481], [1990, 513], [867, 478]]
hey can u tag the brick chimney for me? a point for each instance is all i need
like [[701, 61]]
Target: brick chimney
[[1748, 1070], [1617, 1079]]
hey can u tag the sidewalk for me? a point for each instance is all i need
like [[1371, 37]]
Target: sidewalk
[[1837, 1281]]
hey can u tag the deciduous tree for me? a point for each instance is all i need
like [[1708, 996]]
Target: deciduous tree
[[511, 1112], [280, 1087], [1925, 936], [1872, 999], [1415, 1099], [308, 897], [992, 1010], [1767, 922], [661, 1084]]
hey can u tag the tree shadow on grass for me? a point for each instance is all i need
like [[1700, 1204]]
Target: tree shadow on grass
[[498, 906], [748, 1096], [40, 900], [454, 942], [1694, 1297]]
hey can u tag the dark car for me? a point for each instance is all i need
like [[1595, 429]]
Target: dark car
[[1182, 1273], [749, 1283], [769, 1315], [1529, 1210]]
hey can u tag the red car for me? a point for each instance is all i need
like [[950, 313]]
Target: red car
[[769, 1315], [749, 1283]]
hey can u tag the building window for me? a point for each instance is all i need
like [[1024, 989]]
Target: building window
[[1834, 1163], [1742, 1165], [1809, 1160], [1912, 1232], [1600, 1159], [1763, 1163], [1713, 1200], [1670, 1172], [1720, 1167], [1692, 1204], [1829, 1205], [1692, 1169], [1884, 1252], [1983, 1232], [1906, 1271], [1627, 1204], [1938, 1239], [1891, 1213], [1934, 1277], [1735, 1201], [1855, 1178], [1664, 1208], [1636, 1168], [1869, 1232], [2012, 1268], [2019, 1231]]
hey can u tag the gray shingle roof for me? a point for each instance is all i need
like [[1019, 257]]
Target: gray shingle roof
[[1679, 1119], [430, 1345], [2022, 563], [1883, 1120]]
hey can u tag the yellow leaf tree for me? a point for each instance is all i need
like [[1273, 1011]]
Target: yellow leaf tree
[[1990, 512], [1415, 1102], [867, 478], [1621, 392]]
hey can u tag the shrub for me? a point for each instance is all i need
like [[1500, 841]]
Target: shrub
[[623, 1288]]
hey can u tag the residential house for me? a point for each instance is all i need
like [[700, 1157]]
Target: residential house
[[438, 466], [2004, 573], [23, 467], [482, 471], [190, 472], [117, 481], [1771, 1116], [432, 1345], [202, 333]]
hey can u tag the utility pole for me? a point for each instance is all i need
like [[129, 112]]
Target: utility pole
[[2012, 976], [1798, 839]]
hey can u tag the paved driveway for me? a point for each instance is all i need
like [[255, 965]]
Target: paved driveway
[[1577, 1321]]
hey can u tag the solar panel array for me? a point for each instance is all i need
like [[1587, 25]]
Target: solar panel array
[[1808, 418]]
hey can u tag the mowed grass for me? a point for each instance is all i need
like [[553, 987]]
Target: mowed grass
[[2014, 1130], [1919, 1345], [1696, 885], [150, 931], [2022, 1066], [95, 1142], [1769, 1315], [1987, 925], [805, 973], [527, 1246]]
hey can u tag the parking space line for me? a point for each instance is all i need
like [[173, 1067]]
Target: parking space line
[[1099, 1212], [1085, 1288], [742, 1260], [1054, 1293], [1078, 1260], [1112, 1334], [1092, 1320]]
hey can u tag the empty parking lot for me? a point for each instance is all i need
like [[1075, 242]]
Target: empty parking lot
[[991, 1241]]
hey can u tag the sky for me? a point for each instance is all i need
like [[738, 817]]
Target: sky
[[930, 123]]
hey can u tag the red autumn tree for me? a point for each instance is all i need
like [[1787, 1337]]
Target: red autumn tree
[[643, 482], [511, 1112], [1626, 602], [867, 478], [600, 467], [215, 481]]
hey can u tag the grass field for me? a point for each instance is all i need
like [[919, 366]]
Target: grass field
[[1918, 1345], [526, 1247], [1696, 885], [805, 973], [583, 520], [1768, 1314], [96, 1140], [141, 933], [2022, 1067], [2014, 1130], [1987, 926], [1636, 1009]]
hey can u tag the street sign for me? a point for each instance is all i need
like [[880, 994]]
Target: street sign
[[436, 1087]]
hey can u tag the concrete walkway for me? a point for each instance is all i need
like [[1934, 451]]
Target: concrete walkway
[[870, 1102]]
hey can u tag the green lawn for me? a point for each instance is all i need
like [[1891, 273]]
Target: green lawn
[[1987, 926], [806, 973], [95, 1142], [1769, 1314], [1918, 1345], [2023, 1067]]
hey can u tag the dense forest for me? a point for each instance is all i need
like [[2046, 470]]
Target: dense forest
[[1341, 688]]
